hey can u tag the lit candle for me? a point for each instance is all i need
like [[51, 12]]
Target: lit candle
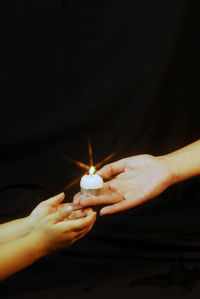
[[91, 184]]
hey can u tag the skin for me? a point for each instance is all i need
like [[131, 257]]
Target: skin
[[137, 179], [18, 228], [49, 227]]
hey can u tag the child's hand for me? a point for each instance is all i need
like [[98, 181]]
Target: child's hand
[[55, 232], [50, 206]]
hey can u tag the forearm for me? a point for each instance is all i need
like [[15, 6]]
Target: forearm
[[184, 163], [18, 254], [14, 229]]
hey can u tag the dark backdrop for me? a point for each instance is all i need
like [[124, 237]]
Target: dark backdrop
[[124, 75]]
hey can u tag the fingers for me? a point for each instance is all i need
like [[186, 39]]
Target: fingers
[[130, 201], [60, 215], [78, 224], [74, 207], [76, 198], [107, 198], [83, 233], [82, 200], [108, 195], [112, 169], [83, 223], [77, 211], [78, 214], [56, 200], [118, 207]]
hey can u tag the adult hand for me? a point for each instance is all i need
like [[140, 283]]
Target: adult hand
[[134, 181]]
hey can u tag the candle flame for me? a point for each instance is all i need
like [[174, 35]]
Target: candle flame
[[92, 170], [90, 167]]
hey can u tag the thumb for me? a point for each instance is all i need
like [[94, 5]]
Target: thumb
[[112, 169], [61, 214], [54, 201]]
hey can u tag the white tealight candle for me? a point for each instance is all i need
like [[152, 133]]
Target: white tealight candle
[[91, 184]]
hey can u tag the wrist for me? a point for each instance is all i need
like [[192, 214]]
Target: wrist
[[171, 168], [28, 224], [36, 241], [184, 163]]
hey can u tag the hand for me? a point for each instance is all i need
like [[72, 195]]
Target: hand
[[50, 206], [55, 232], [134, 181]]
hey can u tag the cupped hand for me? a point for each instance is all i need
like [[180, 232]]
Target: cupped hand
[[55, 231], [52, 205], [132, 181]]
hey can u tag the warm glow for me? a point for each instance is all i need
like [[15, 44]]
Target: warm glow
[[92, 170], [87, 167]]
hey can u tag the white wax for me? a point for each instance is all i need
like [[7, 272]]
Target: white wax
[[91, 182]]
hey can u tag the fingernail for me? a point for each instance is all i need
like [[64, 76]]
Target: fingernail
[[68, 209]]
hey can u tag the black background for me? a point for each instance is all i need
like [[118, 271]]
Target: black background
[[126, 76]]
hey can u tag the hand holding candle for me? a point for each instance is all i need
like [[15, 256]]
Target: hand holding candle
[[132, 181]]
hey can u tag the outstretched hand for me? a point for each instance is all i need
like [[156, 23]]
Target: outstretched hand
[[52, 205], [56, 224], [133, 181], [56, 231]]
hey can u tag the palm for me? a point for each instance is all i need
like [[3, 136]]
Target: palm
[[133, 181], [143, 178]]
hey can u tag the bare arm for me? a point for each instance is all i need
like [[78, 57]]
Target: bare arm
[[17, 255], [51, 233], [184, 163], [50, 226], [14, 229], [19, 228]]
